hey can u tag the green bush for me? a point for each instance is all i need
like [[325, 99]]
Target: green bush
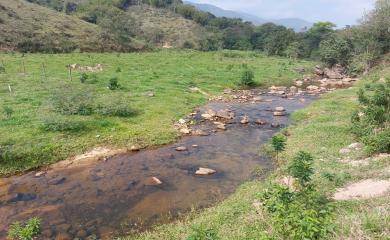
[[62, 125], [113, 83], [8, 111], [302, 213], [301, 168], [200, 232], [73, 102], [278, 143], [247, 78], [28, 231], [2, 68], [83, 77], [335, 50], [117, 108], [372, 121]]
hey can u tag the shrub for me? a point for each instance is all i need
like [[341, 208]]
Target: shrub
[[372, 121], [8, 111], [335, 50], [247, 78], [83, 78], [117, 108], [113, 83], [73, 103], [278, 143], [301, 168], [28, 231], [200, 232], [303, 213], [298, 215], [2, 68], [62, 125]]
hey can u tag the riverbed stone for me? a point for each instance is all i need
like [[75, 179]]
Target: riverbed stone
[[181, 149], [275, 125], [135, 148], [63, 227], [22, 197], [39, 174], [199, 132], [244, 120], [81, 234], [279, 114], [260, 122], [56, 181], [221, 126], [63, 236], [185, 130], [225, 114], [153, 181], [205, 171]]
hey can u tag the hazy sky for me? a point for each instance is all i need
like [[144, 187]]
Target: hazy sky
[[341, 12]]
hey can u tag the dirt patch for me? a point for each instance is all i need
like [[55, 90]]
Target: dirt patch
[[362, 190], [366, 161]]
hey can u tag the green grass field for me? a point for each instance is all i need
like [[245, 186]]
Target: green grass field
[[33, 133], [321, 129]]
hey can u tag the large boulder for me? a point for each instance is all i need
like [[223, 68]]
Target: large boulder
[[336, 72]]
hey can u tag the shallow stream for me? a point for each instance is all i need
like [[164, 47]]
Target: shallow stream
[[115, 196]]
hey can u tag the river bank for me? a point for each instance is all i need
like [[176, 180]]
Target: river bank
[[322, 129]]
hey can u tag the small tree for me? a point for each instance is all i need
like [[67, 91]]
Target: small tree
[[301, 168], [335, 50], [278, 144]]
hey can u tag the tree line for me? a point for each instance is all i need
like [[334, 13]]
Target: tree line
[[356, 47]]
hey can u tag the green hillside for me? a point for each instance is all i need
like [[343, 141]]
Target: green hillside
[[32, 27]]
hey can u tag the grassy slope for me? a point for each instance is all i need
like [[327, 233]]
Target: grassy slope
[[175, 29], [322, 129], [19, 18], [169, 74]]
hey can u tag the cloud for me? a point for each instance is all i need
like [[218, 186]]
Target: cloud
[[342, 12]]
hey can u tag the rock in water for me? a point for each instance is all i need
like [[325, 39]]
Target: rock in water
[[200, 133], [275, 125], [185, 131], [280, 109], [245, 120], [261, 122], [181, 149], [279, 114], [221, 126], [205, 171], [153, 181]]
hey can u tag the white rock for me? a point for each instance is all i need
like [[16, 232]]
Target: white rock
[[182, 121], [40, 174], [181, 149], [245, 120], [185, 131], [280, 109], [279, 113], [205, 171]]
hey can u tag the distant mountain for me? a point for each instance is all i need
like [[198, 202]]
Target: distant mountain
[[295, 23]]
